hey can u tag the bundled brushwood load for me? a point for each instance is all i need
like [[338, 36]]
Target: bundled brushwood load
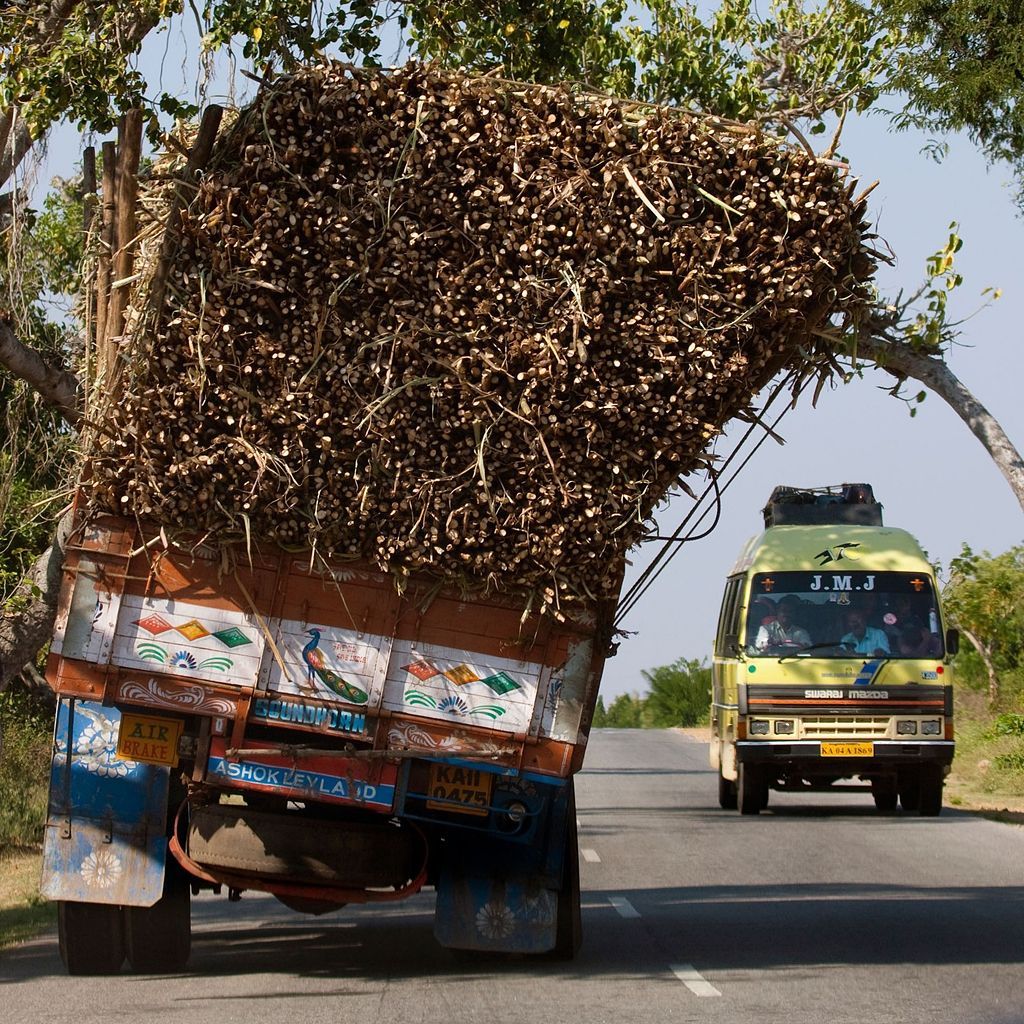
[[461, 326]]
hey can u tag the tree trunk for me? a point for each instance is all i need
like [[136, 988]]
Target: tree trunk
[[25, 632], [904, 360], [986, 656], [58, 387], [17, 143]]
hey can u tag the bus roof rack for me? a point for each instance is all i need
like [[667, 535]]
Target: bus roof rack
[[840, 504]]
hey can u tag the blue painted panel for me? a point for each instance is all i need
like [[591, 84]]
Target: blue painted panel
[[495, 914], [105, 839], [503, 897]]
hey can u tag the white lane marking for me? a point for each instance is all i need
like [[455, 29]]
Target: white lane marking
[[693, 980], [623, 906], [590, 856]]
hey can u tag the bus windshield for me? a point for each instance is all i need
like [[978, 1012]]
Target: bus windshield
[[843, 615]]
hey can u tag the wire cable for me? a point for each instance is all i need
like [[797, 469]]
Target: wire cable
[[673, 543]]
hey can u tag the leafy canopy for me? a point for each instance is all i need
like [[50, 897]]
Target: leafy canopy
[[985, 595], [961, 68]]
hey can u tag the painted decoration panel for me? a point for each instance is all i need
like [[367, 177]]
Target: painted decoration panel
[[459, 686], [508, 914], [105, 836], [192, 641], [329, 663], [177, 695]]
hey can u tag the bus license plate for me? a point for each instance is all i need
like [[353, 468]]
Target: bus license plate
[[468, 790], [148, 738], [847, 749]]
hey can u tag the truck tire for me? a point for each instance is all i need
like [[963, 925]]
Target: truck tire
[[909, 786], [91, 937], [569, 920], [726, 792], [158, 939], [751, 789], [885, 794], [929, 799]]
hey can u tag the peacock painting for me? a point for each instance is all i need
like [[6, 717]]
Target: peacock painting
[[317, 669]]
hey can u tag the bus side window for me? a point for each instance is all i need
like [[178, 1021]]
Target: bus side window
[[728, 619]]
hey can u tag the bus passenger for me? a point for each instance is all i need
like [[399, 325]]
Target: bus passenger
[[782, 631], [864, 639]]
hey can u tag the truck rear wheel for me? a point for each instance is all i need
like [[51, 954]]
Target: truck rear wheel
[[91, 937], [751, 789], [159, 938], [569, 920]]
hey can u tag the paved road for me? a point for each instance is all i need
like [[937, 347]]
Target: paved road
[[816, 912]]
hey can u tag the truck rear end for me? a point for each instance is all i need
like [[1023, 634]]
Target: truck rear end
[[311, 730]]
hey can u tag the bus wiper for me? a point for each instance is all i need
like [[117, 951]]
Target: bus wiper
[[813, 647]]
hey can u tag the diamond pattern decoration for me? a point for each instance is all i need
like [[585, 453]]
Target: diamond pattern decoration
[[422, 669], [232, 637], [154, 624], [501, 683], [462, 674], [193, 630]]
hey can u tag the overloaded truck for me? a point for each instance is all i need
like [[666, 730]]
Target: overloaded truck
[[406, 370], [831, 663], [314, 734]]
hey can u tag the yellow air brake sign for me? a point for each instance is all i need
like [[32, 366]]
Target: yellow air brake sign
[[150, 739]]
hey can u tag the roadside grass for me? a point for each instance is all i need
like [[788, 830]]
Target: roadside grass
[[25, 739], [23, 912], [26, 727], [988, 770]]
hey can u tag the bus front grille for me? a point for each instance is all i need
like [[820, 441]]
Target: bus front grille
[[841, 727]]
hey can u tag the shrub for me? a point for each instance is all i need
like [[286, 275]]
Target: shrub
[[25, 741]]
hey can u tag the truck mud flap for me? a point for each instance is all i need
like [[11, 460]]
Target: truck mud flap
[[106, 827], [489, 900], [514, 914]]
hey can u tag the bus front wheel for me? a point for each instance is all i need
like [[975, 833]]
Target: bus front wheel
[[751, 789]]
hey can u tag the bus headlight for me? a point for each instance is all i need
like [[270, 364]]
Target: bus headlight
[[759, 727], [906, 728], [784, 727], [931, 728]]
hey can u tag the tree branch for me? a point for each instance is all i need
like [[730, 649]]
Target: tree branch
[[25, 632], [58, 387], [905, 360], [17, 144], [986, 657]]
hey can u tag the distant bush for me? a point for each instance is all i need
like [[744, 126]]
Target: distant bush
[[1013, 762], [1010, 724], [679, 695], [26, 726]]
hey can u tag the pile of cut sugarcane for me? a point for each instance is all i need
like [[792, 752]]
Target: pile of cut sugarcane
[[462, 326]]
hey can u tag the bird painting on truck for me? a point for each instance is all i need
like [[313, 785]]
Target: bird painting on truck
[[317, 670]]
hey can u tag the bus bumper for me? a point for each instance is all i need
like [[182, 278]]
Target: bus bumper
[[885, 753]]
